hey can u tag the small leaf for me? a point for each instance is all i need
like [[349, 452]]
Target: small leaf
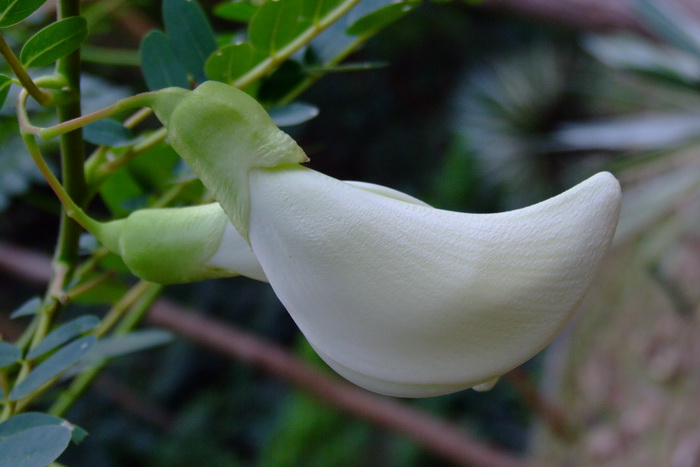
[[63, 334], [236, 11], [30, 307], [29, 420], [230, 62], [190, 33], [293, 114], [5, 82], [276, 24], [53, 366], [9, 354], [128, 343], [14, 11], [160, 67], [107, 132], [34, 447], [379, 19], [117, 346], [54, 41]]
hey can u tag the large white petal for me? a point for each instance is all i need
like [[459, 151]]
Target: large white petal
[[235, 255], [412, 301]]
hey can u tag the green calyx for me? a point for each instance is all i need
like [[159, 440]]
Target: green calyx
[[167, 246], [223, 133]]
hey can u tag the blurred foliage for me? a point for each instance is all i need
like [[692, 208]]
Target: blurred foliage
[[469, 111]]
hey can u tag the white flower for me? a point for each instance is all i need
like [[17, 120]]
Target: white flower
[[412, 301], [398, 297]]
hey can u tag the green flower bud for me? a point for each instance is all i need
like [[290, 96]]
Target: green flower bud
[[168, 246]]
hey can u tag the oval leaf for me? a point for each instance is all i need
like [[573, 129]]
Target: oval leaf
[[117, 346], [190, 33], [379, 19], [230, 62], [293, 114], [14, 11], [30, 307], [160, 67], [276, 24], [236, 11], [63, 334], [25, 421], [5, 82], [54, 41], [53, 366], [34, 447], [9, 354]]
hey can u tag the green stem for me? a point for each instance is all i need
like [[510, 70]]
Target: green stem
[[308, 82], [279, 56], [21, 73], [122, 306], [72, 125], [72, 147], [71, 208]]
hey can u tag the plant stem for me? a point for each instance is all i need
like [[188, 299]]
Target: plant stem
[[21, 73], [279, 56], [72, 148]]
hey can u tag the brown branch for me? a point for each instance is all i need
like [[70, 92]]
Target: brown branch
[[441, 438], [598, 15]]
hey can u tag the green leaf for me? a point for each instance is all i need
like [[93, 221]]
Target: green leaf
[[293, 114], [276, 24], [116, 346], [34, 447], [29, 420], [53, 366], [190, 33], [63, 334], [236, 11], [135, 341], [314, 10], [14, 11], [5, 82], [54, 41], [30, 307], [121, 193], [107, 132], [380, 18], [231, 62], [9, 354], [160, 66]]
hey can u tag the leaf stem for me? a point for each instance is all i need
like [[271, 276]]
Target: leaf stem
[[21, 73], [271, 62]]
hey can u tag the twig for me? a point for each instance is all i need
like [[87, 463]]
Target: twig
[[441, 438]]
